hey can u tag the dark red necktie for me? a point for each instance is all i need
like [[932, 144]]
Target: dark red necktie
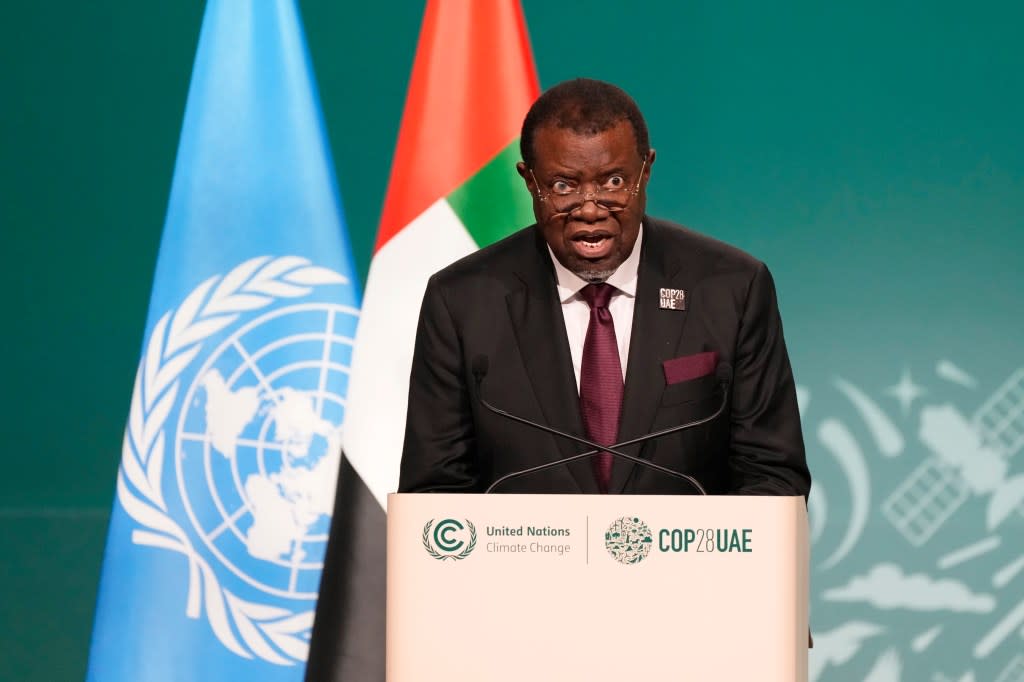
[[601, 379]]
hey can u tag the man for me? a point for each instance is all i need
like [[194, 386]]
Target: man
[[603, 322]]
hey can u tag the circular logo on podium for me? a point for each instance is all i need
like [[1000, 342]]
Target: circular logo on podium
[[449, 539], [628, 540]]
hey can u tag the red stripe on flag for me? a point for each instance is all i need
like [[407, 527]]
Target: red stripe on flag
[[472, 82]]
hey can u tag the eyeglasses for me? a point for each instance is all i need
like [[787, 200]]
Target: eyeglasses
[[565, 197]]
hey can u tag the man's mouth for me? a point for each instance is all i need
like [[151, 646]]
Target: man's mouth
[[592, 245]]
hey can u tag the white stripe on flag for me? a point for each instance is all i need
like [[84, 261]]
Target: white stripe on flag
[[379, 384]]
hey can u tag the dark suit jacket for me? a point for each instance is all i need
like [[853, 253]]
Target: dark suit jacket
[[501, 303]]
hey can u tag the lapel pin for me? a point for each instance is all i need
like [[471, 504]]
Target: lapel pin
[[672, 299]]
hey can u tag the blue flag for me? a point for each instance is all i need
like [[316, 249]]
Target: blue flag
[[230, 457]]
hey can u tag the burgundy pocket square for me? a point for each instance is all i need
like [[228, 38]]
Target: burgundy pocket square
[[690, 367]]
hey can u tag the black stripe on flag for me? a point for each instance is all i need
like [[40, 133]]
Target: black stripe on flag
[[347, 643]]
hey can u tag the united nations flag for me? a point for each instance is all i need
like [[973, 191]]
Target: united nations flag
[[231, 452]]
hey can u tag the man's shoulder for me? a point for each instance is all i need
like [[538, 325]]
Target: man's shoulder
[[699, 251]]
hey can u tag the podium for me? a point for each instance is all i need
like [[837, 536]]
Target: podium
[[488, 588]]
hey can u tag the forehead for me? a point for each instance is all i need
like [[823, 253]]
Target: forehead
[[565, 149]]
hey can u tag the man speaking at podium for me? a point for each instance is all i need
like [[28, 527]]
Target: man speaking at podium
[[604, 323]]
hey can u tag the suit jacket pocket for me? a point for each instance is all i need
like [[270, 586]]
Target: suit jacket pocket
[[689, 391]]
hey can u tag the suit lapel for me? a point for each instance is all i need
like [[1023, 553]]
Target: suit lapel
[[539, 326], [654, 338]]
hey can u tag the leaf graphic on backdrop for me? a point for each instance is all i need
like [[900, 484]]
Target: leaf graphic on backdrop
[[836, 437], [838, 646], [925, 639], [887, 668], [887, 437], [1006, 498]]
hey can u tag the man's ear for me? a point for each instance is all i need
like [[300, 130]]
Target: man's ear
[[650, 162], [524, 173], [527, 176]]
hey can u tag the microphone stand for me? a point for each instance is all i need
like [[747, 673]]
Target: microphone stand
[[613, 449]]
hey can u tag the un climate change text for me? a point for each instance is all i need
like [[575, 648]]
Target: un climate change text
[[534, 547]]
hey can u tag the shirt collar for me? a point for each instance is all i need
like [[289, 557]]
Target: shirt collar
[[624, 278]]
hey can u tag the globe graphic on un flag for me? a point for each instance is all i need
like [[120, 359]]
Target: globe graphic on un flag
[[259, 444]]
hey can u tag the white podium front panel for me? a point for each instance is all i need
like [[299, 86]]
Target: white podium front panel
[[588, 587]]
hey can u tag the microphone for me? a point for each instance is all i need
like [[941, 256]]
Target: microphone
[[479, 368]]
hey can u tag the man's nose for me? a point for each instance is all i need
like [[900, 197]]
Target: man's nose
[[590, 211]]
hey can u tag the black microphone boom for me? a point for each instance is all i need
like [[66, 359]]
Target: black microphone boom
[[479, 369]]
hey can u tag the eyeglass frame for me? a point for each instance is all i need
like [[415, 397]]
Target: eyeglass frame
[[591, 196]]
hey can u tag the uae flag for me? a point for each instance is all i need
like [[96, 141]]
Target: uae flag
[[453, 189]]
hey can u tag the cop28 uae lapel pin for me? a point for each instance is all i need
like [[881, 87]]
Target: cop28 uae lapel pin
[[672, 299]]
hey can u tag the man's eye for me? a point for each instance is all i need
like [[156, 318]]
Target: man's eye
[[561, 187], [615, 182]]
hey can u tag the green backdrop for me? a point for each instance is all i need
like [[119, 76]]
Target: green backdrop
[[871, 153]]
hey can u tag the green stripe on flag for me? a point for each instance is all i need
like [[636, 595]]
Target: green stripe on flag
[[494, 203]]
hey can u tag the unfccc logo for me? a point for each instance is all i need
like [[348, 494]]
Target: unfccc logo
[[450, 539]]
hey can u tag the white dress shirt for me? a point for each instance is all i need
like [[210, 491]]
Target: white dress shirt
[[576, 312]]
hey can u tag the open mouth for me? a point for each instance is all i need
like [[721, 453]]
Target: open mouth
[[594, 245]]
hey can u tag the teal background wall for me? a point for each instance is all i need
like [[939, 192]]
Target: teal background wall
[[871, 153]]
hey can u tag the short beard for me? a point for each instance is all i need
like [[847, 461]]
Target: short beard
[[595, 276]]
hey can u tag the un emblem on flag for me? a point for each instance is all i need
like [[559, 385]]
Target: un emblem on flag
[[259, 442], [233, 444]]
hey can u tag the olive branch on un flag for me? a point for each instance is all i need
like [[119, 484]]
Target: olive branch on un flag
[[175, 342]]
